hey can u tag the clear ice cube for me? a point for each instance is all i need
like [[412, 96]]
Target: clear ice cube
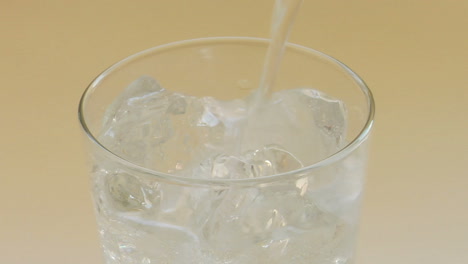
[[127, 193], [270, 160]]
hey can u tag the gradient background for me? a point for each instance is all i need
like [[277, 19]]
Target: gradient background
[[413, 54]]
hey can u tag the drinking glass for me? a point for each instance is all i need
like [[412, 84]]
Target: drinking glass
[[147, 214]]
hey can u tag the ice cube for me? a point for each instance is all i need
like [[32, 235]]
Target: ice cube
[[135, 122], [228, 112], [269, 160], [127, 193], [330, 114], [268, 222], [227, 167], [342, 193], [208, 119], [304, 122], [140, 94], [177, 104], [223, 229]]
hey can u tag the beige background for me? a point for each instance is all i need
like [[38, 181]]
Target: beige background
[[412, 53]]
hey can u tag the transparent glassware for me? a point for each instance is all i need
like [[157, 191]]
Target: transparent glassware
[[307, 215]]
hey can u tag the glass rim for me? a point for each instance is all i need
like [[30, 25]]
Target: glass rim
[[336, 156]]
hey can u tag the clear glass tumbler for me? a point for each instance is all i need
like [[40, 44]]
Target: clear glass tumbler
[[146, 214]]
